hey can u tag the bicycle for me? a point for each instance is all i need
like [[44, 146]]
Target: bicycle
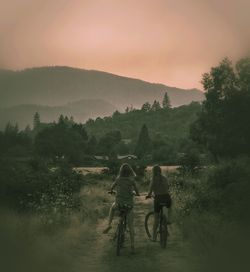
[[162, 227], [122, 226]]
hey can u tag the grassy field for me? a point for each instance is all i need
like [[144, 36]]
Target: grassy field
[[29, 243]]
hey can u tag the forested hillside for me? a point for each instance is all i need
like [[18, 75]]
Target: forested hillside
[[170, 124], [56, 86]]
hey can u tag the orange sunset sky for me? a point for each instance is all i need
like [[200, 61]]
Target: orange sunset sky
[[167, 41]]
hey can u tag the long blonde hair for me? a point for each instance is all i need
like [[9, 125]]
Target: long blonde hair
[[126, 171]]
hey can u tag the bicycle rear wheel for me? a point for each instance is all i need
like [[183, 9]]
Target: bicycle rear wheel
[[120, 238], [163, 232], [149, 221]]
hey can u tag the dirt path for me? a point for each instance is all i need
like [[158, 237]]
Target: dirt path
[[100, 254]]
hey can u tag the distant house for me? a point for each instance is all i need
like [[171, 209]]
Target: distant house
[[127, 157], [101, 158], [119, 157], [126, 141]]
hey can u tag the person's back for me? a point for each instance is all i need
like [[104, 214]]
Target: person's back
[[125, 186], [159, 186], [124, 190]]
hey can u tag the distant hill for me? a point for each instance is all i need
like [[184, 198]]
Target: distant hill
[[81, 110], [56, 86], [173, 125]]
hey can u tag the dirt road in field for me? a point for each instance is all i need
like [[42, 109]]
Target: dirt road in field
[[99, 255]]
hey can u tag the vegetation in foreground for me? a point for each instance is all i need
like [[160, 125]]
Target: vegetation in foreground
[[212, 203]]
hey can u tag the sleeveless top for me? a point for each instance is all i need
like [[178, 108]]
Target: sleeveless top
[[124, 191], [160, 186]]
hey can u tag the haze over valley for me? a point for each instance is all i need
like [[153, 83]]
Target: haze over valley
[[80, 93]]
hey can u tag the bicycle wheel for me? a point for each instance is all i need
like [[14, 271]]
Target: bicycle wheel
[[149, 221], [163, 232], [120, 238]]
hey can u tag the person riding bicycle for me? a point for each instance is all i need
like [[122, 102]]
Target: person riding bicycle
[[160, 187], [125, 186]]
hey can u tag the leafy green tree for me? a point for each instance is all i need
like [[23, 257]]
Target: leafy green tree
[[166, 101], [61, 141], [36, 121], [92, 146], [165, 154], [108, 142], [190, 162], [223, 124], [146, 107], [80, 129], [144, 144], [121, 149], [156, 106], [116, 113], [14, 143]]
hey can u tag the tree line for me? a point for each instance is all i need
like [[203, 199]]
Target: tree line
[[132, 132]]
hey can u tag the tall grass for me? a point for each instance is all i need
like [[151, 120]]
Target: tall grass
[[212, 210], [27, 244]]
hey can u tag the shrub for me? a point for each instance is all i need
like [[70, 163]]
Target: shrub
[[38, 187]]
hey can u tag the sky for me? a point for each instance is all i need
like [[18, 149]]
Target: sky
[[168, 41]]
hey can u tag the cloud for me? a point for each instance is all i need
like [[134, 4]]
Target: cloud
[[167, 41]]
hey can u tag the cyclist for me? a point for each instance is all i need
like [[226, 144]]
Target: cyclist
[[125, 186], [160, 187]]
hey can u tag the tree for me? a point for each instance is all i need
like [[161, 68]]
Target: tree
[[107, 144], [223, 124], [60, 140], [36, 121], [79, 128], [27, 130], [116, 114], [190, 162], [146, 107], [144, 143], [156, 106], [166, 101], [13, 142], [91, 146]]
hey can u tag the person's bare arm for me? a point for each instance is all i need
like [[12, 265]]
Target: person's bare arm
[[150, 190], [113, 186], [136, 189]]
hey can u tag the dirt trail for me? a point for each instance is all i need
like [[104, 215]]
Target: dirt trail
[[100, 254]]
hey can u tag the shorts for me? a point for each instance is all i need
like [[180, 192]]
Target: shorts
[[162, 199]]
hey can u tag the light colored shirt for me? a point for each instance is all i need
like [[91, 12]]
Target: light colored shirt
[[124, 190]]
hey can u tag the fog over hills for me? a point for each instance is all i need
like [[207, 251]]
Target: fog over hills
[[52, 90], [81, 110]]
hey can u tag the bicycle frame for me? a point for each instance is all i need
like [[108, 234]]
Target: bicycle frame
[[162, 226], [121, 229]]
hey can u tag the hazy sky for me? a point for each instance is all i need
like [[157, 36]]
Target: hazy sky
[[168, 41]]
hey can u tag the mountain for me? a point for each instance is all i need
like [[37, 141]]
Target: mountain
[[81, 110], [56, 86]]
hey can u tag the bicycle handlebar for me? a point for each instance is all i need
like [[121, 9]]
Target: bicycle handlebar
[[114, 192], [111, 192]]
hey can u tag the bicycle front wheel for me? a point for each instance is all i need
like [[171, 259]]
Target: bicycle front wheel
[[149, 222]]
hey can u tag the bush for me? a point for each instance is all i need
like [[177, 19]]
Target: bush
[[222, 189], [190, 162], [40, 188]]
